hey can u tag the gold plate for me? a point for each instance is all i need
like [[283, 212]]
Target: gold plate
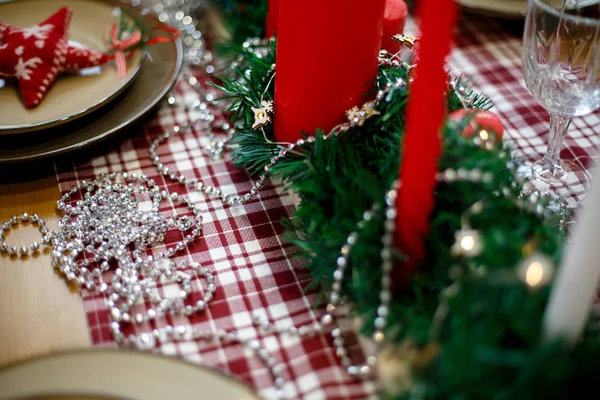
[[72, 95], [160, 71], [511, 9], [117, 374]]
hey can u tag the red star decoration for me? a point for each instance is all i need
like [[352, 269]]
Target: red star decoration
[[37, 55]]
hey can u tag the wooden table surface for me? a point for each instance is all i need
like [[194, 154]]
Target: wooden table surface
[[38, 312]]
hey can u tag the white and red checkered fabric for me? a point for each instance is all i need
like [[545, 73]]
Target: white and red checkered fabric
[[243, 245]]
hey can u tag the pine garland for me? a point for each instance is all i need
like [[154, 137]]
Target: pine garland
[[242, 19], [471, 327]]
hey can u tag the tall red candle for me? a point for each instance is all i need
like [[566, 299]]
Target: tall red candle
[[327, 55], [394, 20], [272, 18], [426, 112]]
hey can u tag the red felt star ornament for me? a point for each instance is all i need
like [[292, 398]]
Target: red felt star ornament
[[36, 55]]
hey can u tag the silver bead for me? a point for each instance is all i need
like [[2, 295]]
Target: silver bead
[[326, 319], [23, 251], [382, 311], [115, 313], [338, 275], [380, 322], [365, 370], [279, 382]]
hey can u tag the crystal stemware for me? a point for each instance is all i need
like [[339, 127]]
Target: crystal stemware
[[561, 62]]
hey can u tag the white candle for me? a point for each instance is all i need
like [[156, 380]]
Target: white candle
[[576, 283]]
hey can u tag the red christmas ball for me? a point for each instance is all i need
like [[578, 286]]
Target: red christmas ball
[[479, 120], [484, 127]]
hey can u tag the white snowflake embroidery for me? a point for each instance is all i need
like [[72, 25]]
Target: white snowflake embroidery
[[23, 69], [40, 32]]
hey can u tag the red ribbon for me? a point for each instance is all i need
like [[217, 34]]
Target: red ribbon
[[120, 47]]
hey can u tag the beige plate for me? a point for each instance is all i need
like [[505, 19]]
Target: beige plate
[[513, 9], [117, 374], [161, 69], [73, 95]]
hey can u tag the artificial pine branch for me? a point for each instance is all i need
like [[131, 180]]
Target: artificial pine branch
[[484, 320], [242, 19]]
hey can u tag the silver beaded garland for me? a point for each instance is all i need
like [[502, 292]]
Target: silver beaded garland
[[364, 370]]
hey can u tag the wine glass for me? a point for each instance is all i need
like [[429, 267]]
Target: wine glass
[[561, 62]]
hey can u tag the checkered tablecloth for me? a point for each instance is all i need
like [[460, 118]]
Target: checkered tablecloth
[[255, 268]]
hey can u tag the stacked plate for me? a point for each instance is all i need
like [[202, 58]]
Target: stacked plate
[[83, 108], [514, 9]]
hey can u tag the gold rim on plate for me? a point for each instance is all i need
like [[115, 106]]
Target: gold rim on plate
[[158, 75], [72, 95], [102, 374]]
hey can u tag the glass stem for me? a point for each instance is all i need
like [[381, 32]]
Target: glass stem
[[559, 125]]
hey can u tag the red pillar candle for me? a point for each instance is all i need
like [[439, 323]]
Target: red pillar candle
[[272, 18], [425, 115], [327, 55], [393, 23]]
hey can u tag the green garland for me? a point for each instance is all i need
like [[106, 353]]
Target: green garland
[[471, 325], [242, 19]]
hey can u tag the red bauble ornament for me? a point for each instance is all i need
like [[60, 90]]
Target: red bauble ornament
[[37, 55], [479, 120]]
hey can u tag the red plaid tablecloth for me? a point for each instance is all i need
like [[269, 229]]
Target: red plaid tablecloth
[[255, 270]]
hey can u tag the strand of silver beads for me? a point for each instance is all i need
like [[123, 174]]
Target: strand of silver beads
[[366, 369], [216, 148], [213, 191], [95, 235]]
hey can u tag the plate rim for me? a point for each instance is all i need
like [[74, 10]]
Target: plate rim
[[178, 66], [484, 9], [82, 352], [20, 129]]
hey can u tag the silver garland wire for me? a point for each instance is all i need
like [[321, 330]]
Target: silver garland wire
[[105, 232]]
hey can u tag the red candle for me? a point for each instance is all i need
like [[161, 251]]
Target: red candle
[[426, 112], [272, 17], [327, 56], [394, 19]]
